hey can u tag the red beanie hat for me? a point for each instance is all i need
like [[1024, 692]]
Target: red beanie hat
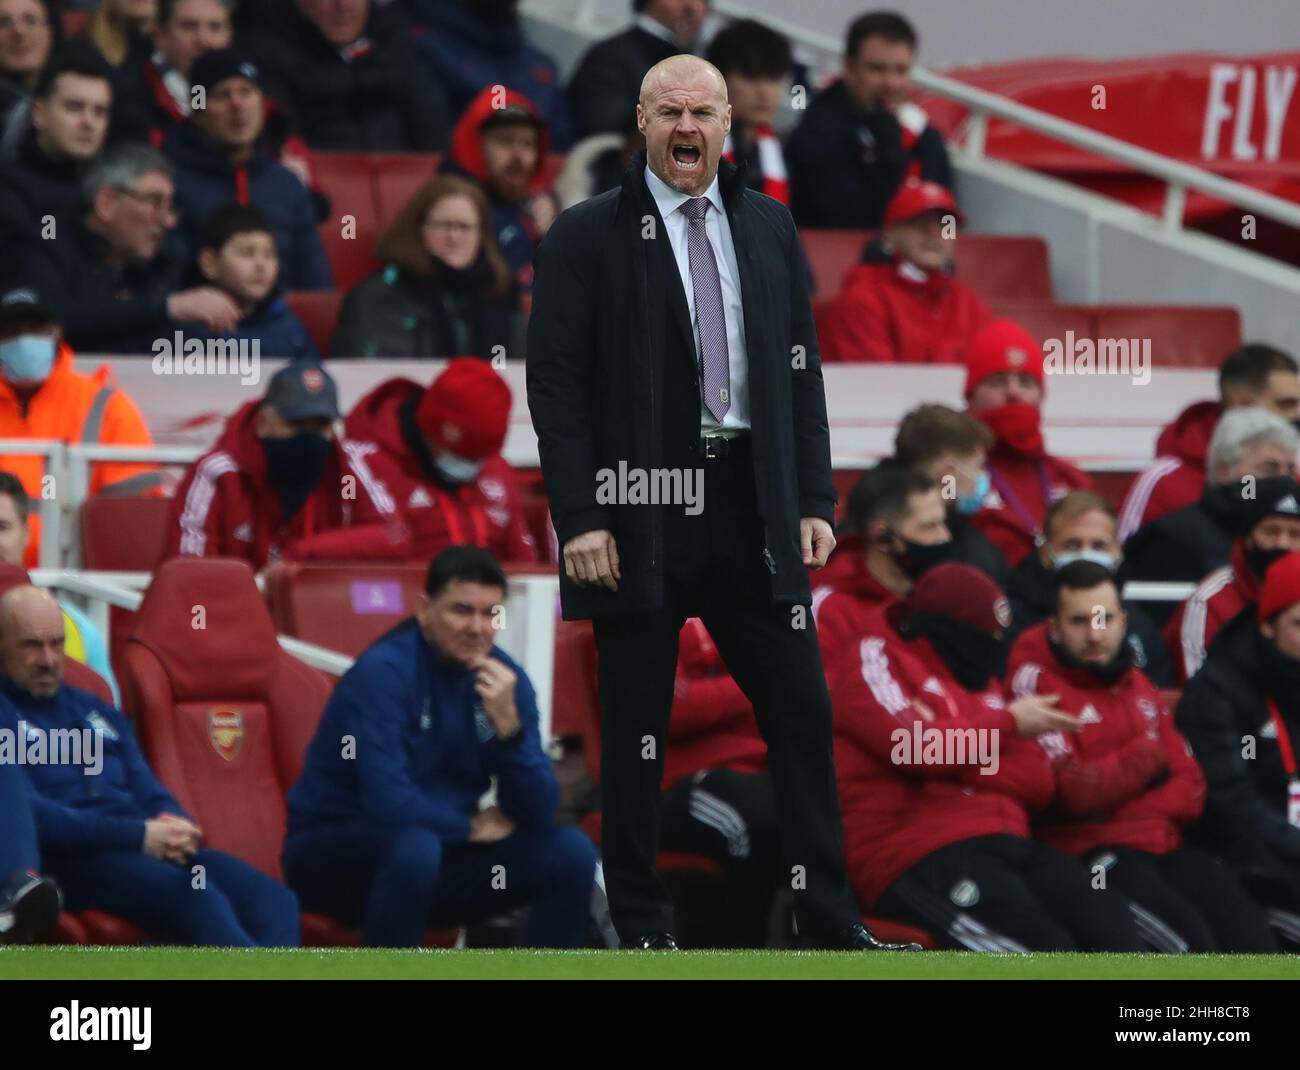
[[963, 594], [1281, 586], [1003, 346], [466, 409]]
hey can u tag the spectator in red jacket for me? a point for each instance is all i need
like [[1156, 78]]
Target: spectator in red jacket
[[894, 529], [281, 483], [717, 796], [902, 303], [1251, 375], [1127, 784], [938, 775], [1004, 388], [1270, 528], [438, 450]]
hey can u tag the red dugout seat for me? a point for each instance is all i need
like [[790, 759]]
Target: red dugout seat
[[221, 709], [319, 312], [123, 534], [1187, 336], [1045, 319], [397, 176]]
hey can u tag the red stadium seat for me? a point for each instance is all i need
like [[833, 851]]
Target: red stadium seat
[[342, 606], [350, 232], [1181, 336], [123, 534], [1005, 266], [575, 706], [397, 176], [67, 930], [831, 254], [1046, 319], [219, 705], [101, 928], [319, 312]]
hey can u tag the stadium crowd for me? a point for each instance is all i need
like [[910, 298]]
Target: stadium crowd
[[156, 179]]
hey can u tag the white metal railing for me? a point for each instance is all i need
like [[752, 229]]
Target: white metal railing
[[1179, 177]]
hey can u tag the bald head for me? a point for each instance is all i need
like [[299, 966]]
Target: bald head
[[684, 114], [31, 640]]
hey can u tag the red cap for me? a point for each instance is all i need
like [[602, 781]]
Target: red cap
[[1281, 586], [1003, 346], [466, 409], [963, 594], [916, 197]]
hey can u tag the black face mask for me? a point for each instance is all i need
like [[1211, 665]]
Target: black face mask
[[916, 559], [1259, 559], [294, 466], [972, 656], [1282, 675], [1109, 673]]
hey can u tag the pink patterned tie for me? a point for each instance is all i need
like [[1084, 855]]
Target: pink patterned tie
[[710, 320]]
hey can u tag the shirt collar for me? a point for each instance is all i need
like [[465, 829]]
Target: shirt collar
[[668, 200]]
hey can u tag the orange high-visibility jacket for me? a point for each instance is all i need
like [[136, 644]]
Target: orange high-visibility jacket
[[74, 408]]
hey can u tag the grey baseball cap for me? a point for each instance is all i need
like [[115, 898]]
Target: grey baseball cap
[[302, 390], [24, 303]]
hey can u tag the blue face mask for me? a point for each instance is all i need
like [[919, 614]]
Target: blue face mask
[[27, 358], [1107, 561], [457, 469], [970, 503]]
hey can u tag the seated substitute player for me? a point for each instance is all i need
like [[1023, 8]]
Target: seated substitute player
[[1127, 784], [29, 903], [439, 454], [281, 483], [937, 776], [115, 839], [384, 825]]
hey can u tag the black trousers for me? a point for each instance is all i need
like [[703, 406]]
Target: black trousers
[[714, 569], [977, 893], [1192, 892], [730, 817]]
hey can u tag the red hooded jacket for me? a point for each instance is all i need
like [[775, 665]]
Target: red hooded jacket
[[846, 597], [886, 693], [226, 506], [712, 724], [892, 311], [1218, 598], [1035, 483], [1128, 779], [484, 513], [1176, 477]]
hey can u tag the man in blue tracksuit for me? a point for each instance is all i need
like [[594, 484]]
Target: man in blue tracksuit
[[109, 833], [384, 825], [29, 903]]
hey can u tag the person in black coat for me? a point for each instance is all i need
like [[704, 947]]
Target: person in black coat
[[1188, 544], [621, 397], [861, 137], [445, 290], [1082, 526], [68, 124], [1241, 715], [350, 81], [603, 90], [950, 448]]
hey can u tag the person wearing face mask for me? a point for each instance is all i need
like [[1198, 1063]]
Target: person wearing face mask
[[894, 529], [938, 837], [1267, 528], [1081, 527], [1241, 715], [951, 448], [1127, 785], [445, 289], [902, 302], [1005, 383], [439, 452], [281, 484], [43, 397], [1249, 444]]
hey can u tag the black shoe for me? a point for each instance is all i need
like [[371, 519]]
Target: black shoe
[[32, 908], [860, 938], [656, 942]]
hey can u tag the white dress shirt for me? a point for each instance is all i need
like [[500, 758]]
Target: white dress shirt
[[718, 229]]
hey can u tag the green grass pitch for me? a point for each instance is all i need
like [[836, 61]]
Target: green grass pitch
[[142, 963]]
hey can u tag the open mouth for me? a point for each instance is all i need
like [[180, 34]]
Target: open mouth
[[687, 157]]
